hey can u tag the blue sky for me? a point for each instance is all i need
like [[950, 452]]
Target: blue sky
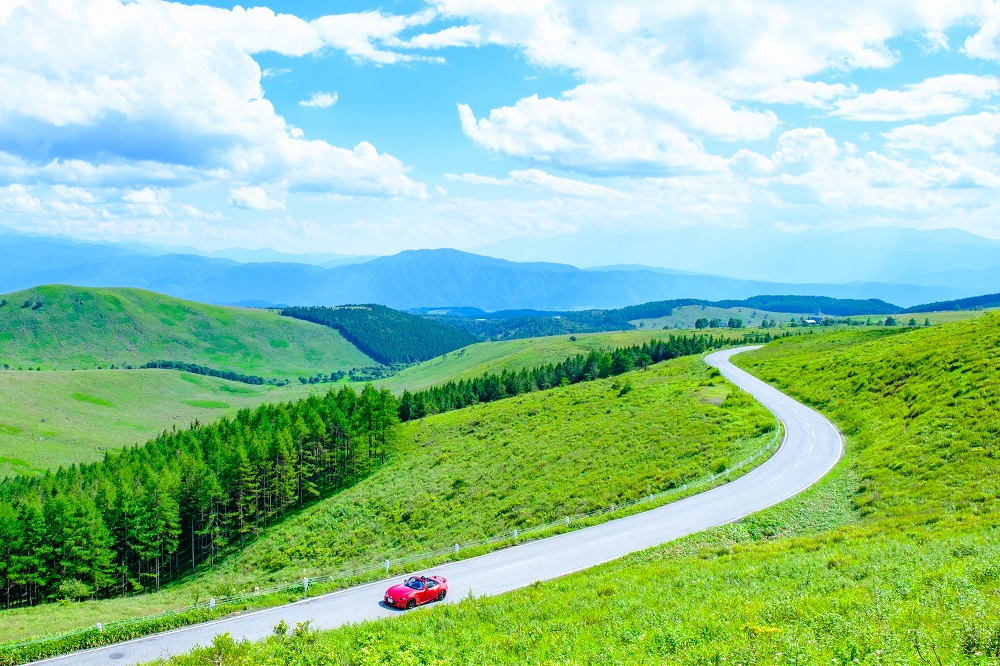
[[497, 126]]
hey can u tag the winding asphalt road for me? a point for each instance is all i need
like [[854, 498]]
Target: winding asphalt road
[[812, 446]]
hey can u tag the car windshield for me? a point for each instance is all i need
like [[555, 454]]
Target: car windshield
[[414, 583]]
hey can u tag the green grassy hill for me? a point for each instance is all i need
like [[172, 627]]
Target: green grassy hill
[[893, 559], [513, 355], [485, 470], [48, 419], [63, 328], [684, 317]]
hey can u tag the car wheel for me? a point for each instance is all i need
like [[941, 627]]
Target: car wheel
[[412, 603], [442, 594]]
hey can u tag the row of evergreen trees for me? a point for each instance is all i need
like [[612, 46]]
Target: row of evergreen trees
[[580, 368], [149, 514], [212, 372]]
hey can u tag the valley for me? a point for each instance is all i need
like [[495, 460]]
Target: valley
[[473, 457], [890, 559]]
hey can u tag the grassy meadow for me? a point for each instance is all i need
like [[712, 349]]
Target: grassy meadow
[[893, 559], [48, 419], [57, 418], [685, 317], [59, 327], [474, 360], [485, 470], [945, 316]]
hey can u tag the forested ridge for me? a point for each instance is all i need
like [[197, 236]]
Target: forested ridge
[[512, 324], [597, 364], [388, 336], [149, 514], [972, 303], [840, 307]]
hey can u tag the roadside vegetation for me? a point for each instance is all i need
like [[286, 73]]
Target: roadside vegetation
[[75, 328], [893, 559], [484, 470]]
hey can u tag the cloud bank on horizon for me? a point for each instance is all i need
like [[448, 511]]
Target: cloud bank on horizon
[[467, 122]]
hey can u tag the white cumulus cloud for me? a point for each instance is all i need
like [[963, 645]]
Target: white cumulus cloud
[[147, 202], [807, 93], [74, 194], [961, 134], [457, 35], [942, 95], [985, 44], [540, 180], [166, 92], [16, 199], [320, 100], [660, 79], [252, 197]]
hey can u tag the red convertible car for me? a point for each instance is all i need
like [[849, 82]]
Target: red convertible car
[[417, 590]]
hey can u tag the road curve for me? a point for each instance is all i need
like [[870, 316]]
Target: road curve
[[811, 447]]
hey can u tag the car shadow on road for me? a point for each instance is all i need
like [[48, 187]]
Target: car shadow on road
[[387, 606]]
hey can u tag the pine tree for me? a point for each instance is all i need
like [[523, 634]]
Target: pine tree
[[10, 536]]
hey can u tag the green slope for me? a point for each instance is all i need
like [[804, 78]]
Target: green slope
[[484, 471], [138, 404], [474, 360], [893, 559], [64, 328], [48, 419], [685, 317]]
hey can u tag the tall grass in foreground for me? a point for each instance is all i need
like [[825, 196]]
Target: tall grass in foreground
[[893, 559]]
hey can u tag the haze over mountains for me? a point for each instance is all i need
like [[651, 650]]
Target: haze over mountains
[[904, 267]]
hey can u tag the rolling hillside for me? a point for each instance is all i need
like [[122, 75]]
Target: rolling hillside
[[512, 355], [53, 419], [890, 560], [77, 328], [482, 471], [987, 301]]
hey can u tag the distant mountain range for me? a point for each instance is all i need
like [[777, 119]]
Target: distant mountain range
[[929, 257], [411, 279]]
